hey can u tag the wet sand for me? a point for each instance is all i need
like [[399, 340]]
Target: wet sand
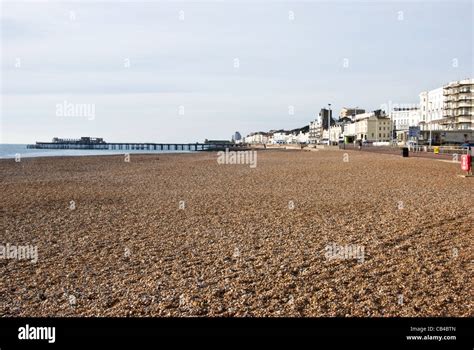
[[181, 235]]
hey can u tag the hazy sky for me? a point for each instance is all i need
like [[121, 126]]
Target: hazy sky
[[137, 62]]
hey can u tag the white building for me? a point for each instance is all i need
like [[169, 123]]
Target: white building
[[335, 133], [299, 138], [431, 109], [303, 137], [403, 119], [257, 138], [447, 113], [315, 131], [280, 137], [458, 112]]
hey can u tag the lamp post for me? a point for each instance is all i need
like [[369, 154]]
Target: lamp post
[[429, 121], [392, 128], [329, 124]]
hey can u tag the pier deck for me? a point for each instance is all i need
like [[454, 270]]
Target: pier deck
[[137, 146]]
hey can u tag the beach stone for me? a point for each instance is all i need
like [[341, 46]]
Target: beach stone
[[235, 249]]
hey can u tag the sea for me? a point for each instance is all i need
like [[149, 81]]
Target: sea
[[8, 151]]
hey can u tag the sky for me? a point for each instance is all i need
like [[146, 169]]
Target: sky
[[177, 71]]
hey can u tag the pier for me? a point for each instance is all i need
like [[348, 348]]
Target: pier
[[82, 145]]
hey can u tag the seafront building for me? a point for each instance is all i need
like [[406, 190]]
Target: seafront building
[[278, 137], [443, 115], [402, 120], [303, 137], [295, 136], [336, 132], [458, 108], [318, 129], [315, 131], [373, 126], [298, 138], [257, 138], [447, 113], [431, 109]]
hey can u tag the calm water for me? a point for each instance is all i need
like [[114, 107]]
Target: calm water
[[10, 150]]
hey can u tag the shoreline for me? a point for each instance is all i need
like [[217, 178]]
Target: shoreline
[[145, 153], [97, 155]]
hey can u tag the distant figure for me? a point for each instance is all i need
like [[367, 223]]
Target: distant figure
[[360, 144], [469, 151]]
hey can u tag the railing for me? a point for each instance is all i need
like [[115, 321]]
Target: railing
[[441, 149], [444, 152]]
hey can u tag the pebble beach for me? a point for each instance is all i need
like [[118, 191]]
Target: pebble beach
[[183, 235]]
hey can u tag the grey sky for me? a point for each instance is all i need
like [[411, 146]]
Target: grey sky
[[190, 63]]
